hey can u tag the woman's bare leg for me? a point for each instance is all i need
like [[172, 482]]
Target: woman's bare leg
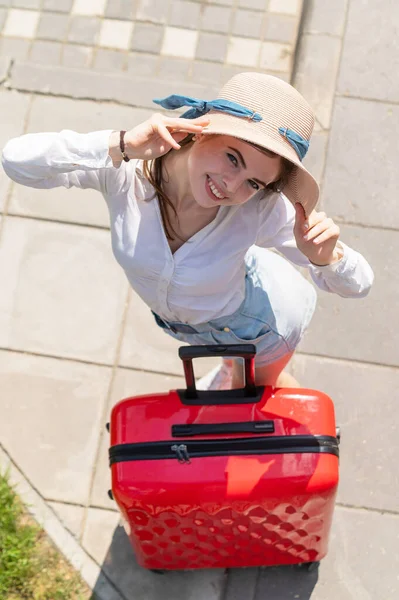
[[272, 374]]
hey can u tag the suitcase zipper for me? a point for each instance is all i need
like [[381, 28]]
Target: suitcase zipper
[[189, 449], [182, 454]]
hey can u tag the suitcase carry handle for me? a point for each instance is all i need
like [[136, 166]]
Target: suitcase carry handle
[[250, 393], [260, 427]]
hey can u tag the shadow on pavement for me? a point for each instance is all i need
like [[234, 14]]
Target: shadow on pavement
[[135, 583], [286, 583]]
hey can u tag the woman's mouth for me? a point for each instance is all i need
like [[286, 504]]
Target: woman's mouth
[[212, 190]]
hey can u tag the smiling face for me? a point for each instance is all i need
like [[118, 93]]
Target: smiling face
[[225, 170]]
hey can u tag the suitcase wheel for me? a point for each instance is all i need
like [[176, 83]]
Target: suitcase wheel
[[311, 566], [110, 494], [107, 427], [158, 571], [338, 434]]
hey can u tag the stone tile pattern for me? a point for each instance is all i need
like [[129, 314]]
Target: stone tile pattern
[[219, 37]]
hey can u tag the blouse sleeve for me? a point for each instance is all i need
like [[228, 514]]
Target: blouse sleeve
[[67, 158], [349, 277]]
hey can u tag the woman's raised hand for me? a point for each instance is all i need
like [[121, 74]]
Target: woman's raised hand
[[316, 236], [155, 137]]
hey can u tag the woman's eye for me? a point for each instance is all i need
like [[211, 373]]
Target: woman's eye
[[232, 159], [253, 184]]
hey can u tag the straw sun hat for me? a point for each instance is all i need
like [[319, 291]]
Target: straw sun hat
[[266, 111]]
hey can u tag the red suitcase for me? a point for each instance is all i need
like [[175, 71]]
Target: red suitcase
[[232, 478]]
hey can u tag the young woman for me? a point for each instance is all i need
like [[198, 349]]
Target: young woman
[[197, 202]]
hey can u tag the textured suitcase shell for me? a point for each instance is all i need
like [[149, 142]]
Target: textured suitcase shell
[[226, 511]]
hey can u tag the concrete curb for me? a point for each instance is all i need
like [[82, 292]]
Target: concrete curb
[[89, 570]]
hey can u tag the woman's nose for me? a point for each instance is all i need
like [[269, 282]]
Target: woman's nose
[[232, 183]]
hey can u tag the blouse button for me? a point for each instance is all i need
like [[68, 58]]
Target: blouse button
[[226, 329]]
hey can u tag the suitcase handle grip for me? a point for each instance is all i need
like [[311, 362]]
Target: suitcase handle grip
[[245, 351], [259, 427]]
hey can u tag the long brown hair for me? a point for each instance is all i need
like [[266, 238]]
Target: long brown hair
[[154, 175]]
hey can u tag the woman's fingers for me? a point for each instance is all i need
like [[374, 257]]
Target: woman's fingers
[[167, 136], [318, 228], [330, 233], [191, 126]]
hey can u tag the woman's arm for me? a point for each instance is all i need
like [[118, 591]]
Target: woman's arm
[[67, 158], [349, 275]]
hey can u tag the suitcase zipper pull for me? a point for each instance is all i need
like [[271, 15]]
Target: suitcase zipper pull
[[182, 454]]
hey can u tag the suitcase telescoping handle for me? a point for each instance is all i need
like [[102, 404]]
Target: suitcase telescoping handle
[[246, 351]]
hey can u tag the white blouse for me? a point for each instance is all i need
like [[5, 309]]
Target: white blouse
[[204, 278]]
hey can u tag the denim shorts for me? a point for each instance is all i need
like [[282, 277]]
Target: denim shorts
[[278, 306]]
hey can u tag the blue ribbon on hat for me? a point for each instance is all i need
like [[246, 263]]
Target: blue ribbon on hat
[[299, 144], [201, 107]]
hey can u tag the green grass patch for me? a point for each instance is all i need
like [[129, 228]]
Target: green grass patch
[[31, 568]]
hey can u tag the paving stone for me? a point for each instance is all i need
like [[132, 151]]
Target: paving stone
[[241, 583], [147, 37], [109, 60], [5, 64], [60, 204], [127, 383], [53, 26], [121, 9], [14, 48], [211, 46], [174, 67], [21, 23], [115, 34], [276, 56], [323, 16], [356, 566], [205, 72], [146, 346], [247, 23], [70, 515], [142, 64], [179, 42], [287, 7], [99, 529], [243, 51], [35, 4], [46, 53], [55, 275], [58, 5], [74, 55], [364, 404], [184, 14], [360, 181], [109, 545], [89, 7], [281, 28], [216, 19], [312, 79], [315, 159], [3, 14], [365, 70], [57, 406], [15, 106], [358, 329], [254, 4], [136, 91], [84, 30], [155, 11]]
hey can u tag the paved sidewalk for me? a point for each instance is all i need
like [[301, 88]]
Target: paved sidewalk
[[74, 339]]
